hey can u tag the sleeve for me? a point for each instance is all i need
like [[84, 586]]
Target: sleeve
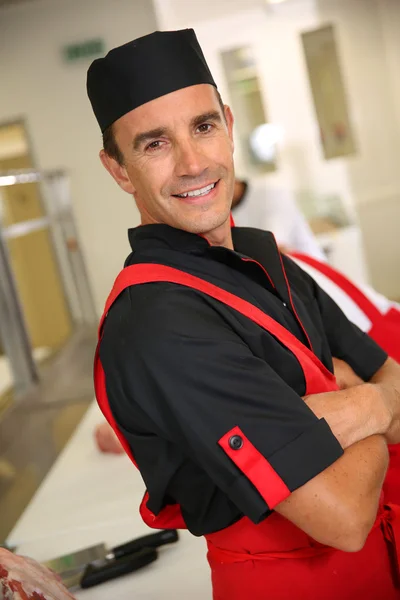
[[346, 340], [226, 409]]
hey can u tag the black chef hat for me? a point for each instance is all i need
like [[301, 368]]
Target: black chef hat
[[142, 70]]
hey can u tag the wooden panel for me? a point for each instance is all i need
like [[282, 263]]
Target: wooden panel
[[40, 289], [33, 263]]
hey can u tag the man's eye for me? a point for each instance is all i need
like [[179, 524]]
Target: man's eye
[[154, 145], [205, 127]]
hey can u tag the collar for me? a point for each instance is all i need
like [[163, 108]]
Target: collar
[[244, 239], [256, 244], [164, 236]]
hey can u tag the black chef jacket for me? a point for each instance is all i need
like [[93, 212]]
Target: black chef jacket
[[183, 369]]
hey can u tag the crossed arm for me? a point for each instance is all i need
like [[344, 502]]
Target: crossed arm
[[360, 410], [339, 506]]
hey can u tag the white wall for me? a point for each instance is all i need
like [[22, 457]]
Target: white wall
[[369, 52], [361, 38], [37, 85], [369, 44], [274, 33], [178, 14], [389, 11]]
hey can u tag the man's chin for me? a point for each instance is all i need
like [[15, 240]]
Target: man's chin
[[205, 223]]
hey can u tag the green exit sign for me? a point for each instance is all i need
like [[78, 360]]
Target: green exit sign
[[88, 49]]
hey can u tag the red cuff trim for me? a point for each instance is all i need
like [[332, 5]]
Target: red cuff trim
[[254, 466]]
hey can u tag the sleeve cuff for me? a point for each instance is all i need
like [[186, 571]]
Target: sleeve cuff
[[266, 482], [254, 466], [366, 357], [308, 455]]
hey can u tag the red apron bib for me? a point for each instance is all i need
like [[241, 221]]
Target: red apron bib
[[385, 330], [274, 560]]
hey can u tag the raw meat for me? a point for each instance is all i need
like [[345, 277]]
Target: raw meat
[[22, 578]]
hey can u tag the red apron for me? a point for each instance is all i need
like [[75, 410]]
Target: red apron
[[385, 330], [274, 560]]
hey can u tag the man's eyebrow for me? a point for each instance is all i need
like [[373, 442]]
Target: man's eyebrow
[[145, 136], [212, 115]]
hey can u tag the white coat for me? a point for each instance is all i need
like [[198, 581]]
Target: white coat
[[347, 304], [275, 209]]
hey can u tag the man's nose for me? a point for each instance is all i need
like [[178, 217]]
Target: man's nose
[[190, 160]]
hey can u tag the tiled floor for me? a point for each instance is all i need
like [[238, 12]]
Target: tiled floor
[[35, 428]]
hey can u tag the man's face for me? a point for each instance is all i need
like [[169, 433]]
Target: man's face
[[178, 159]]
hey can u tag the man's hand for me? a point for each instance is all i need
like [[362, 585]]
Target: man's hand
[[345, 376], [106, 440], [387, 383], [353, 414], [363, 417], [360, 409]]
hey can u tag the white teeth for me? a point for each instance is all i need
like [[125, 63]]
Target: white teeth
[[200, 192]]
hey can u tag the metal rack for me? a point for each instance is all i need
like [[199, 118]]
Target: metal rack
[[59, 221]]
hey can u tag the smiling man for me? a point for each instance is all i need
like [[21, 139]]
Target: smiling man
[[182, 168], [214, 365]]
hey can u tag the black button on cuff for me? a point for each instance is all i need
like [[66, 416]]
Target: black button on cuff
[[236, 442]]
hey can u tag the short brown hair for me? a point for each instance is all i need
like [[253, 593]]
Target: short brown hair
[[110, 143]]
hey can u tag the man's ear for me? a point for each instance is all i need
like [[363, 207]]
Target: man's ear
[[229, 122], [117, 172]]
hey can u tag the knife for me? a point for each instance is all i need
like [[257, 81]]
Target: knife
[[93, 575], [75, 562]]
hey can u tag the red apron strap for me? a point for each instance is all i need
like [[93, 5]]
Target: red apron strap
[[102, 400], [364, 303], [150, 273], [317, 377]]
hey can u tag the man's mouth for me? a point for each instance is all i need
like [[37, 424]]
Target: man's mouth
[[199, 192]]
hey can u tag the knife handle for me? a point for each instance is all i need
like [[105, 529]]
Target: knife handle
[[95, 575], [154, 540]]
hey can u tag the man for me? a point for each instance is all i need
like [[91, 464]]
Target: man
[[258, 204], [209, 341]]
